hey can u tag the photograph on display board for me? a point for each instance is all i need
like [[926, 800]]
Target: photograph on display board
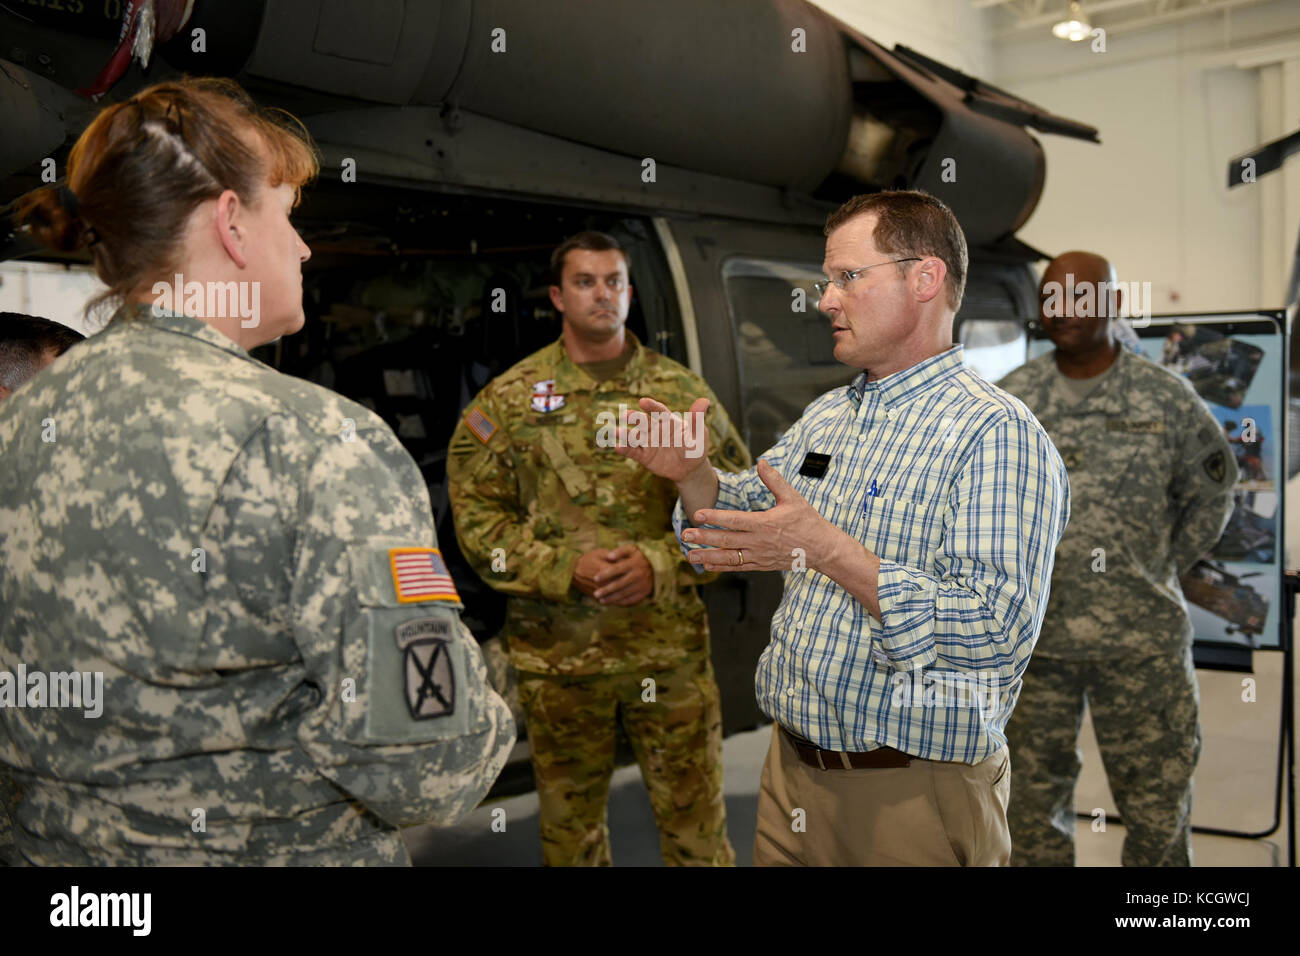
[[1220, 368], [1235, 600], [1236, 363], [1249, 534], [1249, 430]]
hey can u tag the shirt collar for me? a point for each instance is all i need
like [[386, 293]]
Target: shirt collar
[[902, 387], [571, 377], [144, 313], [1109, 397]]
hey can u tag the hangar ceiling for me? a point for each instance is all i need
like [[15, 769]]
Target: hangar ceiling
[[1021, 19]]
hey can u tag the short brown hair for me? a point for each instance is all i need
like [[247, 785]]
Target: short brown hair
[[24, 341], [912, 223], [589, 241], [142, 166]]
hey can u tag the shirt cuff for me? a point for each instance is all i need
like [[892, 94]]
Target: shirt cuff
[[906, 599], [729, 498]]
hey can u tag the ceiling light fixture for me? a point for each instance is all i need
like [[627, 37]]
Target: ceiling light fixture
[[1075, 26]]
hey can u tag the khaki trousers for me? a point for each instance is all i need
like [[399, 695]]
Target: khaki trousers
[[931, 813]]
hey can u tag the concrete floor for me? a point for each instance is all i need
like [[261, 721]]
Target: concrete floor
[[1234, 790]]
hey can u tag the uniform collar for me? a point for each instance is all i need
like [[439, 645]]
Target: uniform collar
[[571, 377], [143, 313], [1108, 398], [901, 387]]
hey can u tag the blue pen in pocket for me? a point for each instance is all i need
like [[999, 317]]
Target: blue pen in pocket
[[872, 492]]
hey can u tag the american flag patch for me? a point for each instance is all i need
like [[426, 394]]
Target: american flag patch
[[482, 426], [420, 575]]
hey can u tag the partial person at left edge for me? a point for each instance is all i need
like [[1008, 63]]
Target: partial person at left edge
[[227, 579], [29, 343]]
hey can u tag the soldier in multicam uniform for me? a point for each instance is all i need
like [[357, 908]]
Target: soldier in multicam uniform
[[603, 617], [248, 559], [1151, 487]]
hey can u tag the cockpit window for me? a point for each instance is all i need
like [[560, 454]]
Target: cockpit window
[[783, 343]]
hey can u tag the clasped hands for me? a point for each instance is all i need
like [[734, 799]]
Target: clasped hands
[[621, 576]]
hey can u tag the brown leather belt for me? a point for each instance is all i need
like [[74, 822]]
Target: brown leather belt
[[814, 756]]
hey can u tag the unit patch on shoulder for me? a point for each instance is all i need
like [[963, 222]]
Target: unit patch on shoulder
[[482, 426], [420, 575], [429, 678]]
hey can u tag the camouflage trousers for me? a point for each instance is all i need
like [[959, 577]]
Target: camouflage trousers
[[677, 739], [1145, 715]]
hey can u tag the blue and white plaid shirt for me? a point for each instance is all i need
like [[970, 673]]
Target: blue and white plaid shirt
[[956, 487]]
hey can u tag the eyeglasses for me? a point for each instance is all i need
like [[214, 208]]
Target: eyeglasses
[[845, 278]]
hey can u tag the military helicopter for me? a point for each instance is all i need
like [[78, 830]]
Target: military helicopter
[[1213, 587], [460, 142], [1248, 536]]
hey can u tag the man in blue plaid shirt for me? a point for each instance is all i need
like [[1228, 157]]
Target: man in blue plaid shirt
[[914, 516]]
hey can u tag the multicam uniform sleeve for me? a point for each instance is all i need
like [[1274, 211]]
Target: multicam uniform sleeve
[[406, 721], [1201, 490], [492, 525]]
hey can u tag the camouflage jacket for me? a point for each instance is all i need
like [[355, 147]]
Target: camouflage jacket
[[1151, 478], [531, 480], [217, 540]]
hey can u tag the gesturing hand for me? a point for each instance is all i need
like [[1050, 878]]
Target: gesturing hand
[[764, 540], [676, 435], [620, 576]]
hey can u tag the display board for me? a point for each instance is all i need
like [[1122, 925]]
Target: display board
[[1237, 364]]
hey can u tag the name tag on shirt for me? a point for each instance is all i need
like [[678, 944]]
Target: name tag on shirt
[[1135, 427], [814, 465]]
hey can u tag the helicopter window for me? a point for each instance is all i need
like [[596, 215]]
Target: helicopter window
[[783, 343], [992, 347]]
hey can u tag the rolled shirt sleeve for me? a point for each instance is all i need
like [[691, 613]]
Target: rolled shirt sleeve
[[982, 608]]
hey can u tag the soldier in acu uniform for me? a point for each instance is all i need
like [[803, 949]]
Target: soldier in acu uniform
[[1151, 480], [248, 559], [603, 619]]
